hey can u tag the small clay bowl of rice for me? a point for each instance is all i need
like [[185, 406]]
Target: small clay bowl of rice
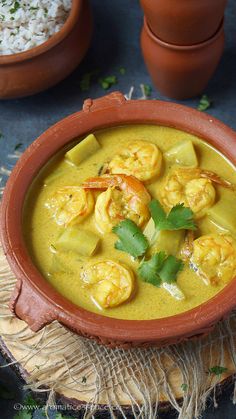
[[41, 43]]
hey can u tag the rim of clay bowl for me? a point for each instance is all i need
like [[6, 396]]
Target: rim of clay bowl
[[41, 301], [200, 45], [51, 42]]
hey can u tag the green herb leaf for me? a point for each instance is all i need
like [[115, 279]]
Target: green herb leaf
[[6, 393], [179, 218], [217, 370], [204, 103], [160, 268], [149, 270], [147, 90], [108, 82], [184, 387], [132, 239], [15, 7], [170, 269], [85, 82]]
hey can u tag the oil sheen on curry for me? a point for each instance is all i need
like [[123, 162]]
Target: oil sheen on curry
[[135, 222]]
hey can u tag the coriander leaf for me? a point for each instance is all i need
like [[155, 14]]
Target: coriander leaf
[[184, 387], [204, 103], [132, 239], [147, 90], [107, 82], [86, 80], [6, 393], [217, 370], [149, 270], [170, 269], [179, 218]]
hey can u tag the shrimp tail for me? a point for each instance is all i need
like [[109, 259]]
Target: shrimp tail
[[217, 179]]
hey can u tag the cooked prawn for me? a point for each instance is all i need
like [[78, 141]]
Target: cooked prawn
[[140, 159], [191, 187], [110, 282], [214, 258], [125, 197], [70, 205]]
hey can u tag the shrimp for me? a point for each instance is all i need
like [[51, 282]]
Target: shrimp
[[70, 205], [110, 282], [190, 186], [214, 258], [140, 159], [125, 197]]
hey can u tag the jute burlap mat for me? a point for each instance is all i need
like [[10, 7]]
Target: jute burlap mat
[[57, 361]]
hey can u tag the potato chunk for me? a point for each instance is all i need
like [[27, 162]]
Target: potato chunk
[[183, 154], [223, 213], [74, 239], [168, 241], [83, 150]]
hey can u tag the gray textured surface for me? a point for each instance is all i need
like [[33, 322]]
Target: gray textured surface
[[115, 44]]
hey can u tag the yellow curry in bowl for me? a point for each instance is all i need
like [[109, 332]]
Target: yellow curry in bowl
[[135, 222]]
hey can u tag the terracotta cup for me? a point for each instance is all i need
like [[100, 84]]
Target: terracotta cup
[[34, 299], [181, 72], [39, 68], [184, 22]]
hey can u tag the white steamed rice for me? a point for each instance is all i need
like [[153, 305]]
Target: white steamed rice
[[25, 24]]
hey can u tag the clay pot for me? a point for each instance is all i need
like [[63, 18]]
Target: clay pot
[[184, 22], [34, 299], [39, 68], [181, 72]]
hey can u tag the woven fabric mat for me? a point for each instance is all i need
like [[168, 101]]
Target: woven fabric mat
[[57, 361]]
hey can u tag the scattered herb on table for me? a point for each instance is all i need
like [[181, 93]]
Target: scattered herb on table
[[217, 370], [179, 217], [122, 71], [160, 268], [1, 134], [184, 387], [204, 103], [131, 238], [18, 146], [147, 90], [107, 82], [86, 80]]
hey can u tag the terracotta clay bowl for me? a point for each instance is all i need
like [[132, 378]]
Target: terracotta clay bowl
[[181, 72], [184, 22], [34, 299], [39, 68]]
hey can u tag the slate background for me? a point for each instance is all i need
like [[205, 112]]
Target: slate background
[[115, 44]]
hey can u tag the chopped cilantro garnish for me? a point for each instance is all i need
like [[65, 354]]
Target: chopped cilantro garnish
[[204, 103], [107, 82], [131, 238], [217, 370], [85, 82], [179, 218], [122, 71], [147, 90], [160, 268], [15, 7]]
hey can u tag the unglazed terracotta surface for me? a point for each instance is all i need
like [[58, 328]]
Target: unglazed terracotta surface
[[34, 299], [181, 72], [184, 22], [39, 68]]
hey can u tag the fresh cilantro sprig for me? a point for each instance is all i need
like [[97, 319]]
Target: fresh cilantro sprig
[[179, 217], [217, 370], [204, 103], [160, 268], [107, 82], [131, 238]]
